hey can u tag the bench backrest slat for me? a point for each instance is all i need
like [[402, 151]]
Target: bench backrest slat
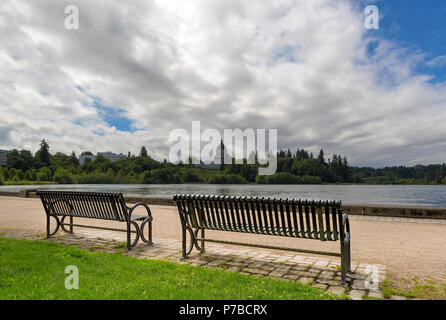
[[98, 205], [335, 225], [280, 217]]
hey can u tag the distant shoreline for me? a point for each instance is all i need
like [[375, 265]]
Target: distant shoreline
[[419, 212], [51, 183]]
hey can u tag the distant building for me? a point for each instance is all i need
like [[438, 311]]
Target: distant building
[[3, 155], [108, 155], [112, 156]]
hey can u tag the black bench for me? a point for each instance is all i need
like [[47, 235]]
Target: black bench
[[94, 205], [323, 221]]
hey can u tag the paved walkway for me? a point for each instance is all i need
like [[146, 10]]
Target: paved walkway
[[407, 247], [321, 273]]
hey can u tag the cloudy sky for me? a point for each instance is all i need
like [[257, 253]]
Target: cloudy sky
[[135, 70]]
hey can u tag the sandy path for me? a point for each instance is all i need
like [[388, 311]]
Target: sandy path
[[405, 248]]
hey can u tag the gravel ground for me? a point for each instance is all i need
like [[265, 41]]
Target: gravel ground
[[407, 248]]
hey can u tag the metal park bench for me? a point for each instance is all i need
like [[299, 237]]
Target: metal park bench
[[95, 205], [323, 221]]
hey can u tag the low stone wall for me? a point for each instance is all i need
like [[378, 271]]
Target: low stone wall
[[364, 210], [397, 211], [9, 194]]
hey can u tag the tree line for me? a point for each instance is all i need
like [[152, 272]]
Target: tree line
[[298, 167]]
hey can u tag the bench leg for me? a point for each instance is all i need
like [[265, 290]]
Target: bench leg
[[48, 225], [183, 246], [150, 232], [348, 262], [345, 260], [48, 233], [202, 241], [129, 246], [71, 225], [343, 271], [185, 251], [147, 240]]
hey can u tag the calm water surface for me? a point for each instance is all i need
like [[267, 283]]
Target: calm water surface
[[349, 194]]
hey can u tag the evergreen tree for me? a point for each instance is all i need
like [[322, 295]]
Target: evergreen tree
[[143, 153], [44, 154], [74, 160], [321, 157]]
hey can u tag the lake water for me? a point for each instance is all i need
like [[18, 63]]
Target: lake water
[[348, 194]]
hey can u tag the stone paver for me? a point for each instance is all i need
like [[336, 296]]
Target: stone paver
[[336, 290], [306, 280], [397, 298], [356, 294], [375, 294], [321, 273]]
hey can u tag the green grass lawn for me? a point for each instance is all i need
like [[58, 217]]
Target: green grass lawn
[[36, 270]]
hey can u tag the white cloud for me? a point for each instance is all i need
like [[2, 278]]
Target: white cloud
[[438, 61], [302, 67]]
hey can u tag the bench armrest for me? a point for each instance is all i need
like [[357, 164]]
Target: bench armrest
[[131, 209]]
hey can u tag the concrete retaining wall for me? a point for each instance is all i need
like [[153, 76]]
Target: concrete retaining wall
[[366, 210], [397, 211]]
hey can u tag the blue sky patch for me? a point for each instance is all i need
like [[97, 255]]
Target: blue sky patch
[[419, 26], [114, 117]]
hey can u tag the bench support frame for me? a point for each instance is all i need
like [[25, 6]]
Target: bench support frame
[[198, 242], [194, 242], [138, 229]]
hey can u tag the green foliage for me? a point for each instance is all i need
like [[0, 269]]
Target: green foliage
[[27, 182], [161, 176], [96, 177], [279, 178], [62, 176], [300, 167], [31, 175], [22, 160], [287, 178], [18, 176], [227, 179], [311, 180], [191, 177], [44, 174], [4, 174], [247, 171]]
